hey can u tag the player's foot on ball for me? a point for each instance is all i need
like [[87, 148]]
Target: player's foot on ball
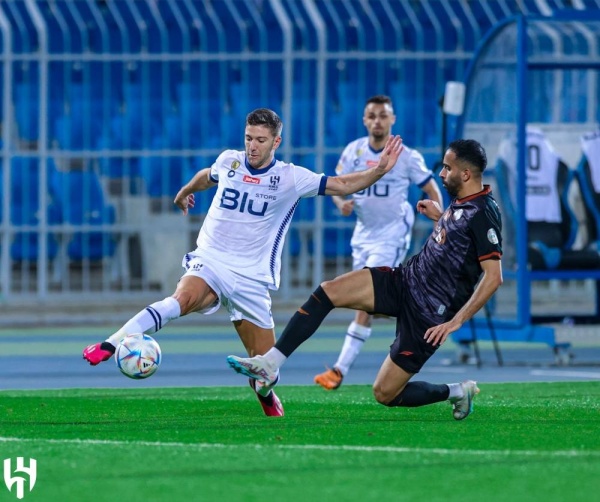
[[270, 403], [98, 352], [462, 407], [330, 379], [254, 367]]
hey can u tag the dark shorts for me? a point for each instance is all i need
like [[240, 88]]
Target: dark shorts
[[409, 350]]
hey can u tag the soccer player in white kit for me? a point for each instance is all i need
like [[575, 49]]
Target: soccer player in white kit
[[238, 255], [385, 218]]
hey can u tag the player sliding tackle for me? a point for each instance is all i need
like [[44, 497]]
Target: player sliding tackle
[[442, 287], [238, 255]]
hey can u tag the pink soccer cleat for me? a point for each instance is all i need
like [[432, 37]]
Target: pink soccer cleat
[[99, 352], [271, 404]]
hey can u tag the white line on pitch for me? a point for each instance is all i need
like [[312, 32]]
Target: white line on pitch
[[368, 449], [572, 374]]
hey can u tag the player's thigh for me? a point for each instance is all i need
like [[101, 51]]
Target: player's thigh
[[257, 340], [194, 294], [390, 381], [353, 290]]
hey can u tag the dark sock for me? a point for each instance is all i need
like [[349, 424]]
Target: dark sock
[[420, 394], [108, 346], [304, 322], [268, 399]]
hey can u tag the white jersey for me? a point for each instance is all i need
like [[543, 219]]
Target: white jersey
[[250, 214], [542, 199], [590, 144], [383, 212]]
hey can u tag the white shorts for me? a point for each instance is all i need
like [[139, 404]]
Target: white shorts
[[243, 298], [381, 255]]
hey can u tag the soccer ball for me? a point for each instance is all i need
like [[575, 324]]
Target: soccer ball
[[138, 356]]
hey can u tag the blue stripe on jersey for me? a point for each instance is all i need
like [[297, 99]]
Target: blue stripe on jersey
[[423, 183], [278, 237], [214, 180], [322, 185], [157, 318]]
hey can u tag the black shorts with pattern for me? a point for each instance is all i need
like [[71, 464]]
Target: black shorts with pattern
[[409, 350]]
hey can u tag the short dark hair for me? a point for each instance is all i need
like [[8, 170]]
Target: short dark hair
[[265, 117], [470, 151], [380, 99]]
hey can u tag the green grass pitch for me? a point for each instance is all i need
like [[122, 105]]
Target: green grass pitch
[[525, 442]]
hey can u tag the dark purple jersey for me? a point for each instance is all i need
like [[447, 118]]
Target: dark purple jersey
[[442, 276]]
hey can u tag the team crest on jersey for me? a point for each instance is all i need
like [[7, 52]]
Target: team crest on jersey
[[492, 237], [234, 165], [250, 179], [458, 214], [274, 182], [440, 236]]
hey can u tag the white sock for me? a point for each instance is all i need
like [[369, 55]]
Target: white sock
[[150, 320], [456, 391], [356, 336], [274, 358]]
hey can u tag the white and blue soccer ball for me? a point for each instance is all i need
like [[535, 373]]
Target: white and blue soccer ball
[[138, 356]]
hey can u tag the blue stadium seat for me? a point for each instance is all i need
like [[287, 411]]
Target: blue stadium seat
[[25, 209], [82, 202], [164, 176]]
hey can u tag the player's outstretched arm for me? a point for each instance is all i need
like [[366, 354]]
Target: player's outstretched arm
[[185, 197], [354, 182]]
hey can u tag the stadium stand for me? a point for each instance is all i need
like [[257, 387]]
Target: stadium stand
[[141, 93]]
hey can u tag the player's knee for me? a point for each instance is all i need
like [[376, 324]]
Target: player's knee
[[382, 396], [331, 290], [187, 301]]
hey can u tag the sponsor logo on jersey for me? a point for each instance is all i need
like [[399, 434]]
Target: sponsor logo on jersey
[[441, 309], [252, 180], [458, 214], [492, 237], [372, 163]]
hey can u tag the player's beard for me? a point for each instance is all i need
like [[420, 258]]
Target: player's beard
[[451, 187]]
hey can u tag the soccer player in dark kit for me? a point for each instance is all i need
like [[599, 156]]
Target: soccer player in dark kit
[[439, 289]]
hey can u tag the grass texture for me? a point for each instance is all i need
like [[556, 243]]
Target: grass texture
[[525, 442]]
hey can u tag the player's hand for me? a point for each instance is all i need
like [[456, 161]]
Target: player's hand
[[392, 150], [437, 335], [346, 207], [184, 202], [430, 208]]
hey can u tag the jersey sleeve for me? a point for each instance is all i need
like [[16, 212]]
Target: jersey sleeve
[[308, 183], [218, 164], [486, 229], [419, 172]]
